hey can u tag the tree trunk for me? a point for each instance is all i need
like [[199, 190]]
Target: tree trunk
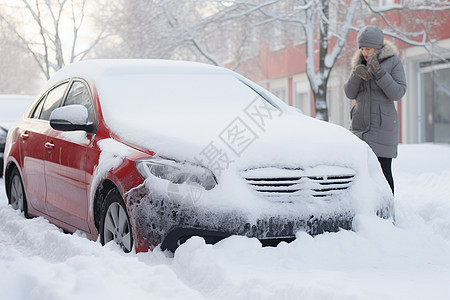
[[320, 100], [320, 95]]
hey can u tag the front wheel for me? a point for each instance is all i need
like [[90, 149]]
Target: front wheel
[[16, 193], [115, 224]]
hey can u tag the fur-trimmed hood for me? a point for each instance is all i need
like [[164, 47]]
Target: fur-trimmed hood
[[386, 51]]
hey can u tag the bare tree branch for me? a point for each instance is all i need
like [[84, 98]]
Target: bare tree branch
[[51, 48]]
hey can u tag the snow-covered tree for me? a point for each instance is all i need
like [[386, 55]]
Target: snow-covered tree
[[182, 29], [18, 75], [49, 30]]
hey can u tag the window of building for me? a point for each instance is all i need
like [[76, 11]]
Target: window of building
[[280, 93], [332, 102], [277, 38], [381, 3], [434, 108], [302, 98], [298, 34]]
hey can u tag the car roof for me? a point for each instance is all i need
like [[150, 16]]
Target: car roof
[[92, 69]]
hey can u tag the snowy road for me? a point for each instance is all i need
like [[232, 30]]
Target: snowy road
[[376, 261]]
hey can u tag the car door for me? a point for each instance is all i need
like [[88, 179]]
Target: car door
[[66, 165], [33, 136]]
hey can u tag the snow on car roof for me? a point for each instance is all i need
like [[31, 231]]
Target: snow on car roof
[[95, 68]]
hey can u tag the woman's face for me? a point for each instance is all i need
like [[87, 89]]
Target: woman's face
[[367, 51]]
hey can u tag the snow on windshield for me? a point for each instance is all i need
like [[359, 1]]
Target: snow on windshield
[[170, 96], [156, 110]]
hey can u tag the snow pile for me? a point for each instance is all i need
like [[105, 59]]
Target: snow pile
[[38, 261], [424, 165], [378, 260]]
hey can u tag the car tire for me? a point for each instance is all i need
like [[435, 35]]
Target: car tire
[[115, 224], [16, 193]]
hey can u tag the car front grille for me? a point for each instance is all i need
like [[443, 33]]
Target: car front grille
[[282, 184]]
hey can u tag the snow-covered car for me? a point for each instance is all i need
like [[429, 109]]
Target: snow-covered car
[[12, 108], [152, 152]]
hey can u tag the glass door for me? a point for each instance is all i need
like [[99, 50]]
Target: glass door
[[435, 102]]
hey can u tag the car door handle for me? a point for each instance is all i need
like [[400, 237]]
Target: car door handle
[[49, 146], [24, 135]]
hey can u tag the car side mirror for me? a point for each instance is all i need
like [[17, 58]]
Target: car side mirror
[[71, 118]]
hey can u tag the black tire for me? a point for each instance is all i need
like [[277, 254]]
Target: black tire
[[16, 193], [115, 224]]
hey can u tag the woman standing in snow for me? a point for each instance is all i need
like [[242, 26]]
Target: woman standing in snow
[[377, 80]]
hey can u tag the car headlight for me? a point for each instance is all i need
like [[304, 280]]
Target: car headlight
[[176, 172]]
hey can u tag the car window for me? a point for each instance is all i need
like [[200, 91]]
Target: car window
[[79, 94], [37, 110], [53, 101]]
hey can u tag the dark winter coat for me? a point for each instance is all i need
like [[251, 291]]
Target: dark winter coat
[[373, 116]]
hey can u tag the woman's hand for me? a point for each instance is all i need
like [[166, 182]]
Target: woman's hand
[[373, 66], [361, 72]]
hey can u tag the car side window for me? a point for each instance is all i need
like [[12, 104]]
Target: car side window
[[37, 110], [53, 101], [79, 94]]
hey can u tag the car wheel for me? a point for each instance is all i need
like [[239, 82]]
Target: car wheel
[[16, 193], [115, 224]]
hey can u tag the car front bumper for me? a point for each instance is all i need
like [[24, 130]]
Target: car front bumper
[[158, 218]]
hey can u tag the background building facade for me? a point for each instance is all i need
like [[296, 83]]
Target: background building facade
[[424, 111]]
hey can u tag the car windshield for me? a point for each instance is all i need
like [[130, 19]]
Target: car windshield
[[170, 95], [158, 111]]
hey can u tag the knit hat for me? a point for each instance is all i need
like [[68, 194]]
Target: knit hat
[[370, 36]]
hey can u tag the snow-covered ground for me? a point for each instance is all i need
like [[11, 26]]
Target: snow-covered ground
[[378, 260]]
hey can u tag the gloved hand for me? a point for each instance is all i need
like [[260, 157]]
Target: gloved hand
[[361, 72], [373, 66]]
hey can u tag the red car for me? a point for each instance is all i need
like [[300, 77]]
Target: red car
[[152, 152]]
